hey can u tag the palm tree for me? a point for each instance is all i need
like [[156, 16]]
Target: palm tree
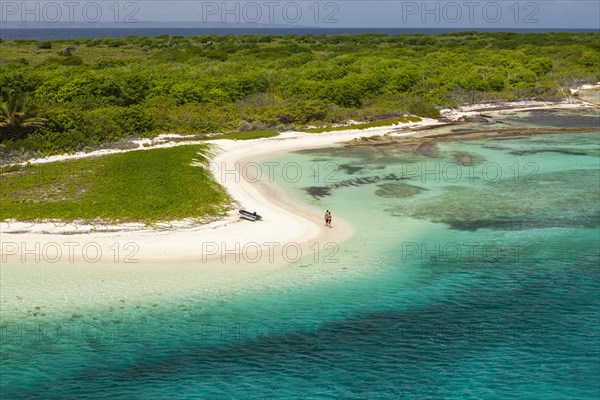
[[18, 118]]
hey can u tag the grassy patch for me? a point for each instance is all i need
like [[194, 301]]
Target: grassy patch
[[247, 135], [367, 125], [142, 186]]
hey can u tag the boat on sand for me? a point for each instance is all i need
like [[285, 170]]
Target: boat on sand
[[250, 216]]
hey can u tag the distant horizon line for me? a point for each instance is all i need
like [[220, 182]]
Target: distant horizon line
[[101, 32], [251, 26]]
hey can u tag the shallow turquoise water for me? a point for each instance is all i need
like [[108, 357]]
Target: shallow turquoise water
[[479, 285]]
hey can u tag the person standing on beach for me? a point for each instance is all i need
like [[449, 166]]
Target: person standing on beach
[[328, 218]]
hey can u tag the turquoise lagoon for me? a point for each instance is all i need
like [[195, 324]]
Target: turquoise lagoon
[[471, 275]]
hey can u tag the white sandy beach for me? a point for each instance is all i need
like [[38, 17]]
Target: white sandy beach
[[234, 166], [53, 267], [144, 266]]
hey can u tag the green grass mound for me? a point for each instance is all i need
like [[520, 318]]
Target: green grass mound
[[141, 186]]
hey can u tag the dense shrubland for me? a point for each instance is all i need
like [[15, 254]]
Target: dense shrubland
[[91, 91]]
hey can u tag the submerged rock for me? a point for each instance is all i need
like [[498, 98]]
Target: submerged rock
[[318, 191], [428, 149], [372, 141], [559, 151], [468, 159], [541, 201], [473, 118], [350, 169], [506, 223], [323, 191], [397, 190]]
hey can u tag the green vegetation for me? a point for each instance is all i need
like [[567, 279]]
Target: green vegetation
[[404, 120], [144, 186], [95, 91], [17, 118], [247, 135]]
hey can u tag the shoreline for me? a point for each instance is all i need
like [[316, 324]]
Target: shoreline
[[285, 220], [70, 289], [169, 265]]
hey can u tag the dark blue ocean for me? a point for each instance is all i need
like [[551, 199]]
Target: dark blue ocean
[[76, 33]]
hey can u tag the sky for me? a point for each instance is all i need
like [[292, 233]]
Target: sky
[[463, 14]]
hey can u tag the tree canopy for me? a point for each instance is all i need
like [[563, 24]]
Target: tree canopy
[[98, 90]]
